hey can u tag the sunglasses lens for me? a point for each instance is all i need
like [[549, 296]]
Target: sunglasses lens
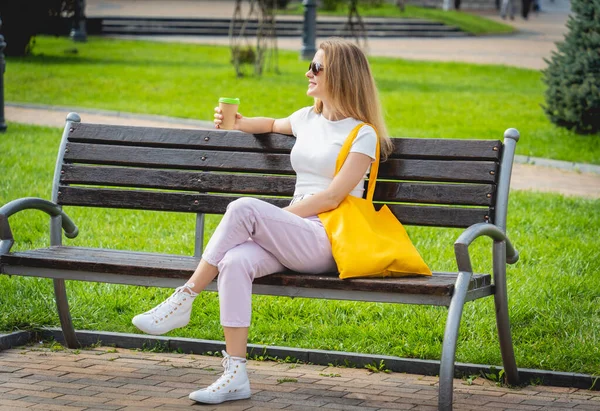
[[315, 67]]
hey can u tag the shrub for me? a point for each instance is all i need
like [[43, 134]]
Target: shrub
[[23, 19], [573, 73]]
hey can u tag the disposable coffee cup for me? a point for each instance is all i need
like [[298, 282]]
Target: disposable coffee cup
[[229, 108]]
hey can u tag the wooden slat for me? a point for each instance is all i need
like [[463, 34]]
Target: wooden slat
[[216, 204], [457, 194], [174, 266], [178, 180], [437, 170], [151, 200], [420, 170], [176, 138], [438, 148], [178, 158], [279, 143], [439, 216]]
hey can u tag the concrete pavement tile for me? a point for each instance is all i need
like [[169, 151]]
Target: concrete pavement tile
[[550, 404], [589, 407], [66, 383], [381, 405], [84, 398], [321, 392], [90, 406], [55, 407], [302, 408], [272, 387], [152, 394], [346, 407], [354, 389], [17, 385], [504, 406], [111, 395], [264, 405], [88, 391]]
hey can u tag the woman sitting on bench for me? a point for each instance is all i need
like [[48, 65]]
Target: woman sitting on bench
[[255, 238]]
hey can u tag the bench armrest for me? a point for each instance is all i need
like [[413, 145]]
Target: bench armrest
[[31, 203], [461, 245]]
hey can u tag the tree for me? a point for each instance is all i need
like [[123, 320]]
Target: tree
[[242, 52], [573, 73], [23, 19]]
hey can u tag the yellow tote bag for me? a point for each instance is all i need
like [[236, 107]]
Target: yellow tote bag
[[366, 242]]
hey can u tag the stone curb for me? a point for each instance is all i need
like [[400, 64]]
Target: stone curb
[[318, 357], [15, 339], [538, 161]]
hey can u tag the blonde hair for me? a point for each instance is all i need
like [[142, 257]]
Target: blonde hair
[[351, 88]]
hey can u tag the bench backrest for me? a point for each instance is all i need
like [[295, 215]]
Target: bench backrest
[[430, 182]]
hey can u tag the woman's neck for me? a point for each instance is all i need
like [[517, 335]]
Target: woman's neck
[[330, 114]]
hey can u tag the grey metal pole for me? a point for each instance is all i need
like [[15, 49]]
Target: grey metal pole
[[2, 69], [450, 339], [309, 30], [78, 32]]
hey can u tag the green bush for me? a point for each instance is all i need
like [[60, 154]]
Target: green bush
[[23, 19], [573, 73]]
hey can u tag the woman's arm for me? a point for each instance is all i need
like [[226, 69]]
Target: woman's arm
[[350, 175], [256, 125]]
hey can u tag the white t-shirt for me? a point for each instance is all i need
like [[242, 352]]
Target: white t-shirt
[[318, 143]]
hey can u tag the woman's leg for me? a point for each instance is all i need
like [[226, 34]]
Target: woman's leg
[[296, 243], [237, 269], [236, 341], [249, 218], [276, 236], [203, 276], [300, 244]]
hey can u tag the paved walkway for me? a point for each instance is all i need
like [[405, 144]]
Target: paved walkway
[[106, 378]]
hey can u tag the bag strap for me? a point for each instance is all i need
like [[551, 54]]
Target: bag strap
[[345, 150]]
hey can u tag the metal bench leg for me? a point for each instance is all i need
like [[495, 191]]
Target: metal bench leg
[[450, 337], [502, 319], [62, 304], [60, 291]]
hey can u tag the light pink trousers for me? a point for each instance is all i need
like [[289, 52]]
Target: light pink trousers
[[255, 239]]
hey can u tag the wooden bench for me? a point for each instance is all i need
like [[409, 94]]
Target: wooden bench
[[426, 182]]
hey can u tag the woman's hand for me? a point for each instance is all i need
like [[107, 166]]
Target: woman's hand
[[219, 119]]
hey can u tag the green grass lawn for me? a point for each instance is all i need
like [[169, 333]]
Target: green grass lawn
[[467, 22], [553, 289], [420, 99]]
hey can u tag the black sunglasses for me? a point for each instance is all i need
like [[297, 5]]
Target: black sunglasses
[[315, 67]]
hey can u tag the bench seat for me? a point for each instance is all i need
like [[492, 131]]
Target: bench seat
[[141, 268]]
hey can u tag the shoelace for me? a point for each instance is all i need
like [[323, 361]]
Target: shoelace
[[172, 302], [225, 362]]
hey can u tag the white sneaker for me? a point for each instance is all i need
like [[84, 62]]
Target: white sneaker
[[232, 385], [172, 313]]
